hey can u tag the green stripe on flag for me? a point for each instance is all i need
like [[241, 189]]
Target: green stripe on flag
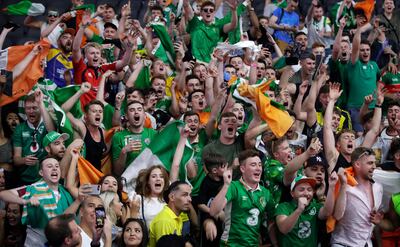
[[25, 7], [161, 151]]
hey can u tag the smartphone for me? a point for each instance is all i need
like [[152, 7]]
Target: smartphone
[[95, 189], [100, 216]]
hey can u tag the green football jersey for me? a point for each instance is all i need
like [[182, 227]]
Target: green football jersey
[[121, 139], [305, 232], [244, 212]]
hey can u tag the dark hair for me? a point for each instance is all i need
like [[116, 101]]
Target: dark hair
[[190, 77], [393, 103], [93, 102], [133, 102], [172, 188], [159, 8], [109, 6], [263, 62], [207, 3], [245, 154], [194, 91], [30, 98], [317, 44], [175, 241], [145, 232], [189, 114], [226, 115], [365, 42], [142, 185], [7, 109], [212, 160], [394, 147], [57, 229], [130, 90]]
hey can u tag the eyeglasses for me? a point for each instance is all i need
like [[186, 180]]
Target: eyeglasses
[[208, 10], [367, 152]]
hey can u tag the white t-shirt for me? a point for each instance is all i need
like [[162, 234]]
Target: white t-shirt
[[86, 240], [152, 206]]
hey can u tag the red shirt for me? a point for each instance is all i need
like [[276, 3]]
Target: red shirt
[[85, 73]]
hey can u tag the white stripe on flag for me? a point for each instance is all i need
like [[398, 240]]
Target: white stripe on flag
[[3, 58], [390, 182], [145, 160]]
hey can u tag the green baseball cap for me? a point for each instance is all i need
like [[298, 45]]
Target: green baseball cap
[[302, 179], [53, 136]]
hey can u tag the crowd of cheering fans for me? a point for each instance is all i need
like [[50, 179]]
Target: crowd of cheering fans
[[201, 123]]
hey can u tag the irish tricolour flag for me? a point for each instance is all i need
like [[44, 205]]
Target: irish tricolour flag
[[25, 7]]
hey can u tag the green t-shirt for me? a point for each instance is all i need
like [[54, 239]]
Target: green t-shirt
[[338, 73], [305, 232], [30, 140], [362, 78], [120, 139], [204, 37], [197, 156], [244, 213]]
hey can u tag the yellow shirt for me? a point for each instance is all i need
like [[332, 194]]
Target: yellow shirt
[[165, 223]]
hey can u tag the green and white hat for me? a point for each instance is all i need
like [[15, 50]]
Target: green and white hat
[[54, 136], [302, 179]]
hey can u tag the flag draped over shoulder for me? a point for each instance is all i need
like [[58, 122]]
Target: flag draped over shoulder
[[25, 7], [160, 151], [11, 57], [164, 50], [277, 118]]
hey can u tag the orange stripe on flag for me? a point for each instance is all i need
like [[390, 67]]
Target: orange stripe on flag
[[28, 78], [88, 174]]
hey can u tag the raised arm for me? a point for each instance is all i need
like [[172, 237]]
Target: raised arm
[[100, 93], [76, 45], [47, 120], [72, 175], [338, 39], [77, 124], [53, 25], [327, 209], [130, 45], [355, 50], [297, 163], [31, 22], [297, 108], [331, 153], [180, 148], [371, 135], [219, 202], [3, 36], [340, 204], [21, 66], [234, 18], [215, 110], [188, 10]]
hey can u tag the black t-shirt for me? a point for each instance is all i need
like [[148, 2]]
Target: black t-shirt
[[341, 162], [208, 190]]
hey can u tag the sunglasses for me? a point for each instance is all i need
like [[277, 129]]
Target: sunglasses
[[208, 10], [52, 15]]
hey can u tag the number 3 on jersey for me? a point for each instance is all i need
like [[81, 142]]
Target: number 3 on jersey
[[253, 219]]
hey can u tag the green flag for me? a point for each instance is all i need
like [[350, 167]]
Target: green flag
[[161, 151], [92, 7], [143, 79], [25, 7], [164, 49]]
